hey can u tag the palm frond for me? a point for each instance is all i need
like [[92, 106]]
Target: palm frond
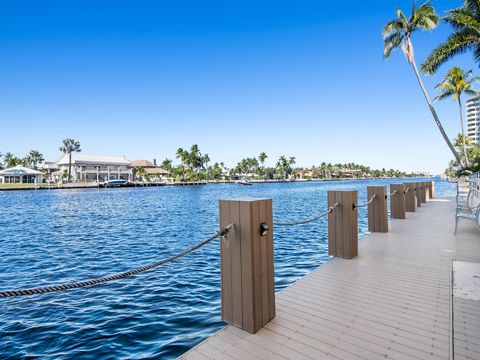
[[443, 96], [460, 18], [392, 42], [456, 44], [392, 27], [425, 17]]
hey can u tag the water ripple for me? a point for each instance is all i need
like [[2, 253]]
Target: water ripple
[[61, 236]]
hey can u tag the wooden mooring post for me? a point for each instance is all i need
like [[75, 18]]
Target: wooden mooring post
[[431, 189], [377, 209], [418, 194], [397, 201], [343, 224], [423, 192], [247, 271], [410, 198]]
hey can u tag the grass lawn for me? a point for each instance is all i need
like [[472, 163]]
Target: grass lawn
[[24, 186]]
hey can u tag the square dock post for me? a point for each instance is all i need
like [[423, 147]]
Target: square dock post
[[423, 192], [418, 193], [343, 224], [410, 200], [247, 268], [377, 209], [397, 201], [431, 189]]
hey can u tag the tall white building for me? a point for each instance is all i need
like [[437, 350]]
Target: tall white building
[[473, 119]]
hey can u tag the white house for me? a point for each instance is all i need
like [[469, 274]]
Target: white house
[[94, 167], [20, 175]]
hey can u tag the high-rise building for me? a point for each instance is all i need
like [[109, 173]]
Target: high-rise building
[[473, 119]]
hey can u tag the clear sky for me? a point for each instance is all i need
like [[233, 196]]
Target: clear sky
[[142, 78]]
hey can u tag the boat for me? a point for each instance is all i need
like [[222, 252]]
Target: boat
[[244, 182], [114, 183]]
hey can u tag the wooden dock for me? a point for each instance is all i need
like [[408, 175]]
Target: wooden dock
[[393, 301]]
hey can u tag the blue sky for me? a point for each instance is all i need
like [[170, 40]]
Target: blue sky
[[142, 78]]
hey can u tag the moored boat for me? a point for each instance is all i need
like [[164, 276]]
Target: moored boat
[[114, 183]]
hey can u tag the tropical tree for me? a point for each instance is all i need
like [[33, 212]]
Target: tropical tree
[[140, 172], [68, 146], [183, 156], [398, 32], [33, 158], [455, 83], [1, 156], [167, 164], [466, 23], [11, 160]]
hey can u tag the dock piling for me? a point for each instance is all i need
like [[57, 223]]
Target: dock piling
[[423, 192], [410, 199], [418, 194], [247, 268], [397, 201], [343, 224], [377, 209]]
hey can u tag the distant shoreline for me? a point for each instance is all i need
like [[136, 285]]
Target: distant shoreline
[[76, 186]]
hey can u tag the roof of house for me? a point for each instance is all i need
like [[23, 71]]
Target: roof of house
[[19, 170], [156, 171], [142, 163], [79, 157]]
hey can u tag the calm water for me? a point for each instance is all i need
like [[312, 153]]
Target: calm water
[[68, 235]]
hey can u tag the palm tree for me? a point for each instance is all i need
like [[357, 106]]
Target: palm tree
[[455, 83], [466, 22], [11, 160], [69, 146], [167, 164], [140, 172], [183, 156], [1, 164], [397, 33], [33, 158]]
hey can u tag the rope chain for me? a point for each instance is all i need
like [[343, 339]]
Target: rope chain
[[306, 221], [393, 193], [79, 284], [369, 201]]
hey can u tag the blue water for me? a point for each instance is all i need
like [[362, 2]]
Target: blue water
[[68, 235]]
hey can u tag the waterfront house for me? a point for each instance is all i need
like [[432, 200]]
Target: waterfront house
[[94, 168], [152, 170], [20, 175]]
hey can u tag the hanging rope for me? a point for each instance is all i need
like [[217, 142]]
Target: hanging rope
[[306, 221], [79, 284], [369, 201], [393, 193]]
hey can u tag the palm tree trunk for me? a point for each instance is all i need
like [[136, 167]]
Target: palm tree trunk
[[434, 114], [69, 165], [463, 132]]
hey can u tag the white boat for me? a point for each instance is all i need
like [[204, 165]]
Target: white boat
[[114, 183], [244, 182]]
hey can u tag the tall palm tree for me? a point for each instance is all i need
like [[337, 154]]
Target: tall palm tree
[[183, 156], [33, 158], [455, 83], [167, 164], [466, 23], [11, 160], [398, 32], [262, 157], [68, 146]]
